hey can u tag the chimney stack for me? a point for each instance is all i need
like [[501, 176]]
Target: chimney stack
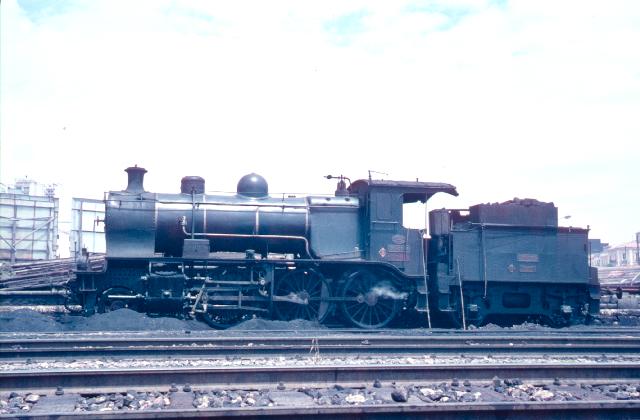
[[136, 179]]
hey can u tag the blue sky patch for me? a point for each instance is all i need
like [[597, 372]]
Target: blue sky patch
[[454, 14], [37, 10], [345, 27]]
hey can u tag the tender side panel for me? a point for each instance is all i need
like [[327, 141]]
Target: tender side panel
[[518, 254], [572, 255]]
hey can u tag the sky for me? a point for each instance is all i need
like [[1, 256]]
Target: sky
[[503, 99]]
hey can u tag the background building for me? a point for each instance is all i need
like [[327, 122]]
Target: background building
[[28, 221], [622, 255]]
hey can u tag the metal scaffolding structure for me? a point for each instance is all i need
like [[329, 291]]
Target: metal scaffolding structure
[[87, 229], [28, 226]]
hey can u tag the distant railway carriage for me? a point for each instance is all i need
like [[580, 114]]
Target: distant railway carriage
[[347, 257]]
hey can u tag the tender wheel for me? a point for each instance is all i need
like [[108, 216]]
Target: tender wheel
[[308, 289], [454, 319], [116, 298], [370, 302], [563, 321]]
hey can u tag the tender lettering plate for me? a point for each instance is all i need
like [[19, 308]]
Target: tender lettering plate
[[527, 268], [530, 258]]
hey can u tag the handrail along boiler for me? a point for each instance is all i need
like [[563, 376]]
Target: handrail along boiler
[[228, 257]]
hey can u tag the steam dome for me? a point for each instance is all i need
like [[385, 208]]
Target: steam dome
[[253, 185]]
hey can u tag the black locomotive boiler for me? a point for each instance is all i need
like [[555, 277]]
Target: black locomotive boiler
[[227, 257]]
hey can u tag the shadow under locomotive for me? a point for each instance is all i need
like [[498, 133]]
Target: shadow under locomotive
[[348, 258]]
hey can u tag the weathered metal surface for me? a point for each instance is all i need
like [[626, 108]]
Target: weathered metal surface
[[151, 221], [413, 190], [522, 212], [511, 258], [503, 259], [520, 254]]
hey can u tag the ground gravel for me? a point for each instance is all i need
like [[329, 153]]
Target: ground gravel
[[310, 361]]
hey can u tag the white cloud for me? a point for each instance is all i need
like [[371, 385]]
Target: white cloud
[[534, 99]]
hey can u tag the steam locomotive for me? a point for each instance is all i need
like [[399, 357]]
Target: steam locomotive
[[343, 259]]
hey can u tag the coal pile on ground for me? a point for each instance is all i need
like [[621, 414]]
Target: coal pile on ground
[[26, 320], [525, 326], [127, 320], [623, 318], [266, 324]]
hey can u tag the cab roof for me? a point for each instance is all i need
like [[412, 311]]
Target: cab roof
[[412, 191]]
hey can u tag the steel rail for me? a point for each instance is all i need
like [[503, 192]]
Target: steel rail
[[78, 346], [308, 375]]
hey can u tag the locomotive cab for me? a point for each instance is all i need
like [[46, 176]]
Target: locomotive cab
[[384, 236], [386, 240]]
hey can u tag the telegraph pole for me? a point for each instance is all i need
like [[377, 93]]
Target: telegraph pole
[[637, 248]]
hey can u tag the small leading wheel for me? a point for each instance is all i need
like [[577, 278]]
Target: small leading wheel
[[223, 318], [369, 302], [219, 317], [116, 298], [307, 291]]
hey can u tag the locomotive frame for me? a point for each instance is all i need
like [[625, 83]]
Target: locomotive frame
[[347, 258]]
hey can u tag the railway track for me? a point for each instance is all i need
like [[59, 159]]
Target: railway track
[[292, 396], [287, 384], [625, 341], [309, 375]]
